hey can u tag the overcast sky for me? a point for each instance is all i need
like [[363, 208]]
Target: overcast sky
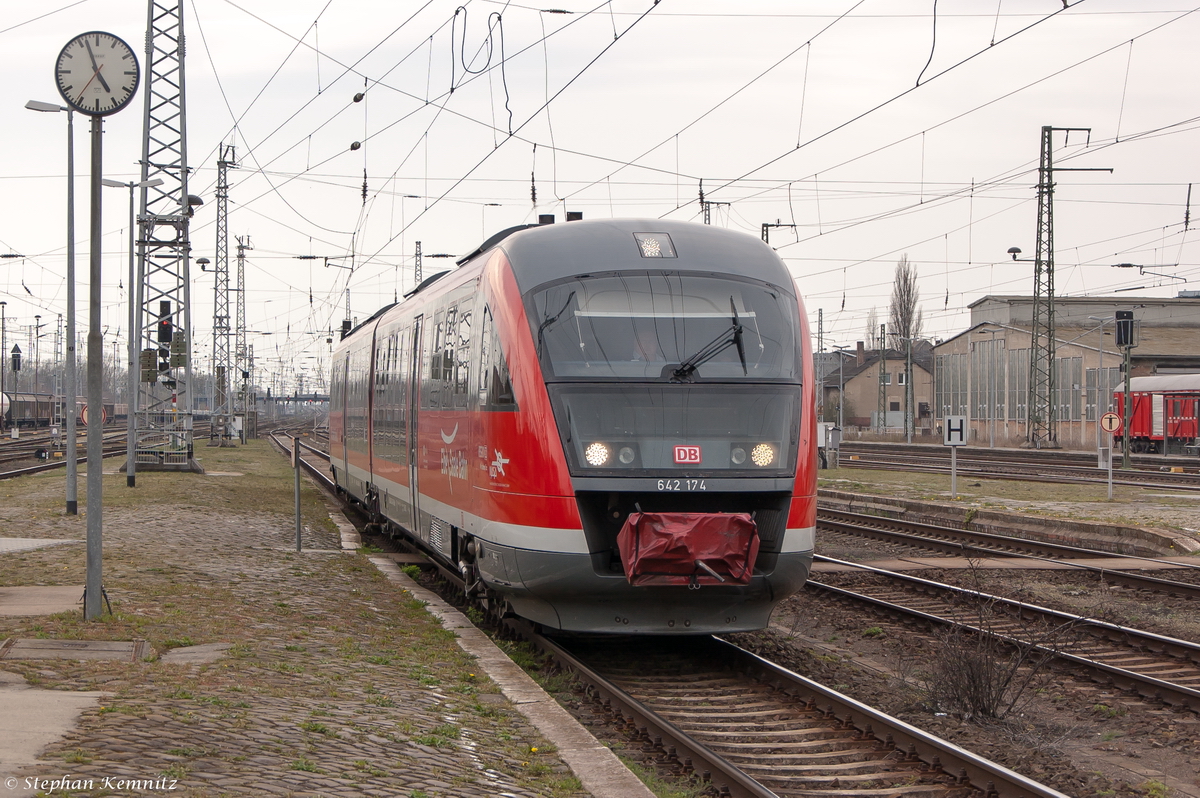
[[876, 128]]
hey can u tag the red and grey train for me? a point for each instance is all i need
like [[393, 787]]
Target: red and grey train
[[604, 426], [1164, 412]]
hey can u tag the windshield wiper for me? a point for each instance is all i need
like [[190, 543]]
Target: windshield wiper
[[542, 327], [688, 366]]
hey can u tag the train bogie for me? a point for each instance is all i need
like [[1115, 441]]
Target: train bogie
[[512, 416]]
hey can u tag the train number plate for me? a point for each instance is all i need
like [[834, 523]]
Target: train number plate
[[681, 484]]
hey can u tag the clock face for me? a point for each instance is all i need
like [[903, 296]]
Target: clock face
[[97, 73]]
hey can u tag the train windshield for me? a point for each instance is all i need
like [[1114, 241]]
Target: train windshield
[[665, 326], [731, 430]]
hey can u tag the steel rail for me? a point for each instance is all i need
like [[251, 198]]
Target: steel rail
[[1136, 581], [1143, 462], [51, 465], [979, 771], [1136, 479], [727, 778], [1149, 686], [944, 763]]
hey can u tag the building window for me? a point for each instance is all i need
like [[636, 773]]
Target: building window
[[893, 406]]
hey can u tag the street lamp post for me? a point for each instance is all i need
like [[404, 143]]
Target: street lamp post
[[71, 389], [132, 377]]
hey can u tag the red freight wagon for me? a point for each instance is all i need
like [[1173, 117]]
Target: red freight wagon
[[1164, 410]]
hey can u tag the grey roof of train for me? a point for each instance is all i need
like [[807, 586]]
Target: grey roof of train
[[1163, 383], [544, 253]]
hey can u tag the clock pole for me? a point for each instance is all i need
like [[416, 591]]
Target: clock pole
[[91, 90], [93, 592]]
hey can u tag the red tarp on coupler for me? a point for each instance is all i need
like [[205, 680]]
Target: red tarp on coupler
[[666, 548]]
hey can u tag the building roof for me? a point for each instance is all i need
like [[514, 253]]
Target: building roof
[[1182, 342], [922, 358]]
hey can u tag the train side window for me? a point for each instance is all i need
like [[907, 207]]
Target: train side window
[[495, 381], [432, 388], [462, 359], [403, 378], [448, 340]]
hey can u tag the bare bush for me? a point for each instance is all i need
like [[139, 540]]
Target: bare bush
[[992, 665]]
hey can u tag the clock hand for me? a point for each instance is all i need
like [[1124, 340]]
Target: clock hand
[[79, 99], [96, 67]]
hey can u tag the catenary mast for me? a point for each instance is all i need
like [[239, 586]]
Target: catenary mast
[[164, 397]]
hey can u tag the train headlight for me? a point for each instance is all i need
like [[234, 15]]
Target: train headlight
[[597, 454], [763, 454], [738, 455], [625, 455]]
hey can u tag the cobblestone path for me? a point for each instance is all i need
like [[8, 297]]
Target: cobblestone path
[[337, 682]]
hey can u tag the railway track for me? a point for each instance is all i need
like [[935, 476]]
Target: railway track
[[1013, 465], [756, 729], [114, 444], [967, 543], [753, 728], [1155, 666]]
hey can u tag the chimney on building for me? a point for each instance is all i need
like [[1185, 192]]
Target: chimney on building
[[861, 355]]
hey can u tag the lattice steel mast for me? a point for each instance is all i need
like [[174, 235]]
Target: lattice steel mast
[[240, 355], [222, 412], [60, 399], [1041, 421], [164, 401]]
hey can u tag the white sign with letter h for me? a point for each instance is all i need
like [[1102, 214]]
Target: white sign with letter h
[[954, 431]]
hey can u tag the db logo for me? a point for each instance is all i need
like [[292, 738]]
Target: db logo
[[687, 455]]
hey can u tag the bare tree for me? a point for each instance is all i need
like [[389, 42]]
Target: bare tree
[[905, 318], [872, 337]]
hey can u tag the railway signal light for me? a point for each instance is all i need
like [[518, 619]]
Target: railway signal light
[[1125, 328], [16, 358], [165, 329]]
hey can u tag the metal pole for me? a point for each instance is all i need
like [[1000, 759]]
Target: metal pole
[[3, 356], [71, 389], [954, 473], [991, 380], [1099, 372], [841, 390], [296, 463], [37, 357], [908, 393], [132, 377], [1112, 442], [1128, 412], [93, 606]]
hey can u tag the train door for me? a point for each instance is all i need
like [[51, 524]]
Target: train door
[[1158, 420], [413, 353], [337, 414]]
